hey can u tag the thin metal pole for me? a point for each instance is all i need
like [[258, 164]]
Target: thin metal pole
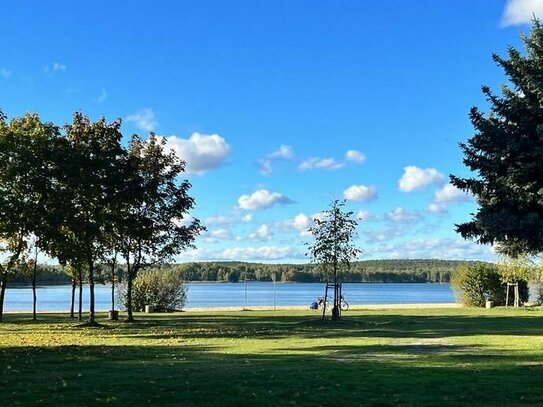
[[274, 295], [245, 291]]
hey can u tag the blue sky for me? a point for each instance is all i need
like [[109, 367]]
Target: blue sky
[[280, 106]]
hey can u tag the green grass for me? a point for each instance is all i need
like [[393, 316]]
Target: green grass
[[372, 357]]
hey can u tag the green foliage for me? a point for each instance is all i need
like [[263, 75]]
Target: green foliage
[[165, 290], [475, 283], [506, 154], [333, 248], [514, 269]]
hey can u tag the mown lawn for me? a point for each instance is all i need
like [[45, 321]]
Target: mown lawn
[[372, 357]]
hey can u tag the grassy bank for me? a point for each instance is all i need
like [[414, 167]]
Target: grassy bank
[[262, 358]]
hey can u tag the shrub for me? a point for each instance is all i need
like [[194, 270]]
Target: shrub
[[475, 283], [165, 290]]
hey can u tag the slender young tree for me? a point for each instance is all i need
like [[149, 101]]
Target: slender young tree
[[333, 248], [506, 155], [154, 223]]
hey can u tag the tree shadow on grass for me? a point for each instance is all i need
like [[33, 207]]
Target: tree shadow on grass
[[205, 375]]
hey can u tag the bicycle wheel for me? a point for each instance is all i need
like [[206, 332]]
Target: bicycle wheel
[[344, 306]]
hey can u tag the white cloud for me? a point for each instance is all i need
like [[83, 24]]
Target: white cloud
[[446, 248], [144, 119], [355, 156], [262, 233], [102, 97], [415, 178], [302, 223], [265, 166], [365, 216], [284, 152], [247, 218], [259, 253], [449, 194], [220, 220], [56, 67], [59, 67], [320, 163], [518, 12], [381, 235], [262, 199], [5, 73], [437, 209], [201, 152], [218, 235], [400, 215], [360, 193]]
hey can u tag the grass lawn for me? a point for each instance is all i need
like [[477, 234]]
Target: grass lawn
[[404, 357]]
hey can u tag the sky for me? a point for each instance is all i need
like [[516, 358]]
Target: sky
[[279, 107]]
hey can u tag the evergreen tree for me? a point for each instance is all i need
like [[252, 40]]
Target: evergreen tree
[[506, 154]]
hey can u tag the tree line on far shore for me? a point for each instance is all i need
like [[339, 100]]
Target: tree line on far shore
[[378, 271]]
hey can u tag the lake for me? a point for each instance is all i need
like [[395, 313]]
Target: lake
[[211, 294]]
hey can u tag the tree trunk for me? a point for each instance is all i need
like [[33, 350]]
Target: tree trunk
[[3, 285], [80, 311], [113, 286], [34, 297], [91, 320], [34, 278], [129, 291], [72, 302], [335, 309]]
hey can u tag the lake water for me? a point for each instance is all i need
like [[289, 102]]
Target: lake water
[[207, 294]]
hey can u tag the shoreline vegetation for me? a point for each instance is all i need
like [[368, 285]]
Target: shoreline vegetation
[[367, 271]]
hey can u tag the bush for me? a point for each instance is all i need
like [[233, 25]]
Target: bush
[[165, 290], [475, 283]]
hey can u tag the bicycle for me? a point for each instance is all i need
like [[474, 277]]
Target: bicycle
[[344, 305], [321, 303]]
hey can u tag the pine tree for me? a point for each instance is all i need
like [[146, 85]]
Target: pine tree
[[506, 154]]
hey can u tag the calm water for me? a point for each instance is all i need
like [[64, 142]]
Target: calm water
[[57, 298]]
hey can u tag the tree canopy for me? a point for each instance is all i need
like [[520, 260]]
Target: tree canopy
[[506, 155]]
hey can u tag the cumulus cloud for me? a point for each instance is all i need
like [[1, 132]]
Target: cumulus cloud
[[55, 67], [262, 233], [144, 119], [449, 193], [201, 152], [218, 235], [262, 199], [302, 223], [284, 152], [441, 248], [400, 215], [355, 156], [437, 209], [320, 163], [415, 178], [260, 253], [360, 193], [381, 235], [5, 73], [518, 12], [365, 215]]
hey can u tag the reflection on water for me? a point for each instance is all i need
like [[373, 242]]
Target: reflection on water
[[201, 295]]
